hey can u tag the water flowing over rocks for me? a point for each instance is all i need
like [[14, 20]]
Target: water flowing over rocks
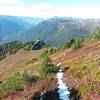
[[62, 88]]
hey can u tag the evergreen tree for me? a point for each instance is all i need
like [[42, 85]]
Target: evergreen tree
[[46, 65], [77, 44], [95, 36]]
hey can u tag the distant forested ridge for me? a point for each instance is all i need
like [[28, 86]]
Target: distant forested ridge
[[10, 48], [59, 29]]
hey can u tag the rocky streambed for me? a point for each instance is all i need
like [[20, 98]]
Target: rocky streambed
[[60, 93]]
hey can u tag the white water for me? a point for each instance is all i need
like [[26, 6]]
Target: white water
[[62, 88], [41, 98]]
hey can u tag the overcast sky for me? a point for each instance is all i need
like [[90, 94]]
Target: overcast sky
[[51, 8]]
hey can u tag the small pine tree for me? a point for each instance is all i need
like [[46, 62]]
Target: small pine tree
[[46, 65], [77, 44], [95, 36]]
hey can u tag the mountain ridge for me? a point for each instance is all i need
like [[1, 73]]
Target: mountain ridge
[[58, 29], [55, 30]]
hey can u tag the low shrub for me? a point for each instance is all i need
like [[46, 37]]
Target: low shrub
[[17, 82]]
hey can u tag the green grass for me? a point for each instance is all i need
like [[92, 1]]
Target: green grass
[[17, 82]]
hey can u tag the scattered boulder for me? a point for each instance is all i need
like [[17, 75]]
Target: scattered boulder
[[38, 45]]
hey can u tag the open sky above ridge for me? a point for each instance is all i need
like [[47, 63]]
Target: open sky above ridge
[[51, 8]]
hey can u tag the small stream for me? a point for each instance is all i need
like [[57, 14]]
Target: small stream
[[62, 91], [62, 88]]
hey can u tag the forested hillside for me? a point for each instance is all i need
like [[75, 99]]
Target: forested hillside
[[57, 30]]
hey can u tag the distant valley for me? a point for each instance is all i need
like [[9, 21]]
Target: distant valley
[[54, 30], [10, 26]]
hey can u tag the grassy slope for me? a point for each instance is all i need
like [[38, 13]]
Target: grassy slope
[[22, 60], [88, 56], [84, 69]]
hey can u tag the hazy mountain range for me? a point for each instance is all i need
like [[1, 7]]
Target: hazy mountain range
[[55, 30], [10, 26]]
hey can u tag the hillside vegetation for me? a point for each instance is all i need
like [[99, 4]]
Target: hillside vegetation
[[79, 57], [10, 48], [84, 67]]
